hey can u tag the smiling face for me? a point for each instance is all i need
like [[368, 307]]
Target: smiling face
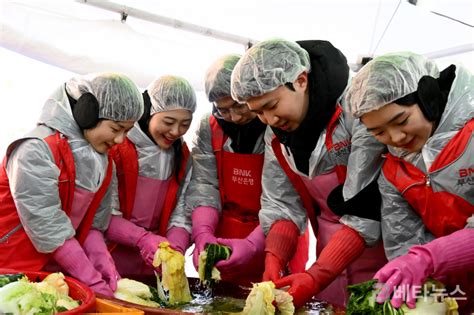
[[234, 112], [167, 127], [283, 108], [399, 126], [107, 133]]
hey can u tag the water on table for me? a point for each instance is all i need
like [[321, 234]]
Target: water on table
[[228, 299]]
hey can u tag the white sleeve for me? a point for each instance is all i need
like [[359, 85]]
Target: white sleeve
[[33, 177], [280, 200]]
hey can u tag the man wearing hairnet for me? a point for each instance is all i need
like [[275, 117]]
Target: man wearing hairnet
[[54, 182], [228, 159], [425, 117], [153, 170], [319, 164]]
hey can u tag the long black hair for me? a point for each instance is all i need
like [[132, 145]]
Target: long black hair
[[144, 123]]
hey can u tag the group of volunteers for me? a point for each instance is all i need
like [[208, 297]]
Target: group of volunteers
[[378, 162]]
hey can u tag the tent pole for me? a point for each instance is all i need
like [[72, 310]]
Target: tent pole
[[450, 51], [163, 20]]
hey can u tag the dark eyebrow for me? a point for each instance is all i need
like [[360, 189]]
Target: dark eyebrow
[[261, 107], [169, 117], [120, 125], [124, 127], [390, 121]]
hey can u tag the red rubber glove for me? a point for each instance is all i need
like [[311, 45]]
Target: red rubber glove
[[345, 246], [280, 246]]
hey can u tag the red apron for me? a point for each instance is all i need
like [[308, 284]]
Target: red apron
[[17, 251], [442, 212], [240, 189], [239, 185], [315, 192]]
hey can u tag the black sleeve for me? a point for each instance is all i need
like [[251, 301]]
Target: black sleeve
[[366, 204]]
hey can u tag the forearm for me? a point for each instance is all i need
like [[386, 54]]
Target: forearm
[[344, 247]]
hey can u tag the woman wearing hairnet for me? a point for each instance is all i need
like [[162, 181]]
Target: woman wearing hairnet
[[426, 119], [153, 169], [54, 182], [297, 89], [228, 160]]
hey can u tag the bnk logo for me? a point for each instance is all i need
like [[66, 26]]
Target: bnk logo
[[463, 172], [466, 176]]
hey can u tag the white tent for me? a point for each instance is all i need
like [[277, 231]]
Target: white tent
[[47, 41], [82, 37]]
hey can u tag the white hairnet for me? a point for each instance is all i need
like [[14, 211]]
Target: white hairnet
[[119, 98], [266, 66], [217, 80], [169, 93], [386, 79]]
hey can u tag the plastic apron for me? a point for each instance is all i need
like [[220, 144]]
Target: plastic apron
[[78, 204], [442, 212], [319, 189]]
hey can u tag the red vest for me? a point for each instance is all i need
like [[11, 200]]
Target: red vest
[[240, 186], [442, 212], [17, 251], [126, 163]]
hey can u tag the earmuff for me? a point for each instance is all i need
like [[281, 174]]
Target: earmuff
[[85, 110]]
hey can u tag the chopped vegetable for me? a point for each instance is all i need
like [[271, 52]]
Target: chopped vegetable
[[211, 254], [260, 300], [24, 297], [174, 277], [135, 292], [58, 281], [362, 301], [134, 287], [6, 279], [429, 305]]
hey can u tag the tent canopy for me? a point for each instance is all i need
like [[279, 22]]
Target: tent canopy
[[81, 38]]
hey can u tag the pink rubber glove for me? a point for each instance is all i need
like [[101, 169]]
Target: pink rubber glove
[[243, 251], [74, 261], [409, 272], [127, 233], [96, 249], [280, 246], [205, 220], [178, 238]]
